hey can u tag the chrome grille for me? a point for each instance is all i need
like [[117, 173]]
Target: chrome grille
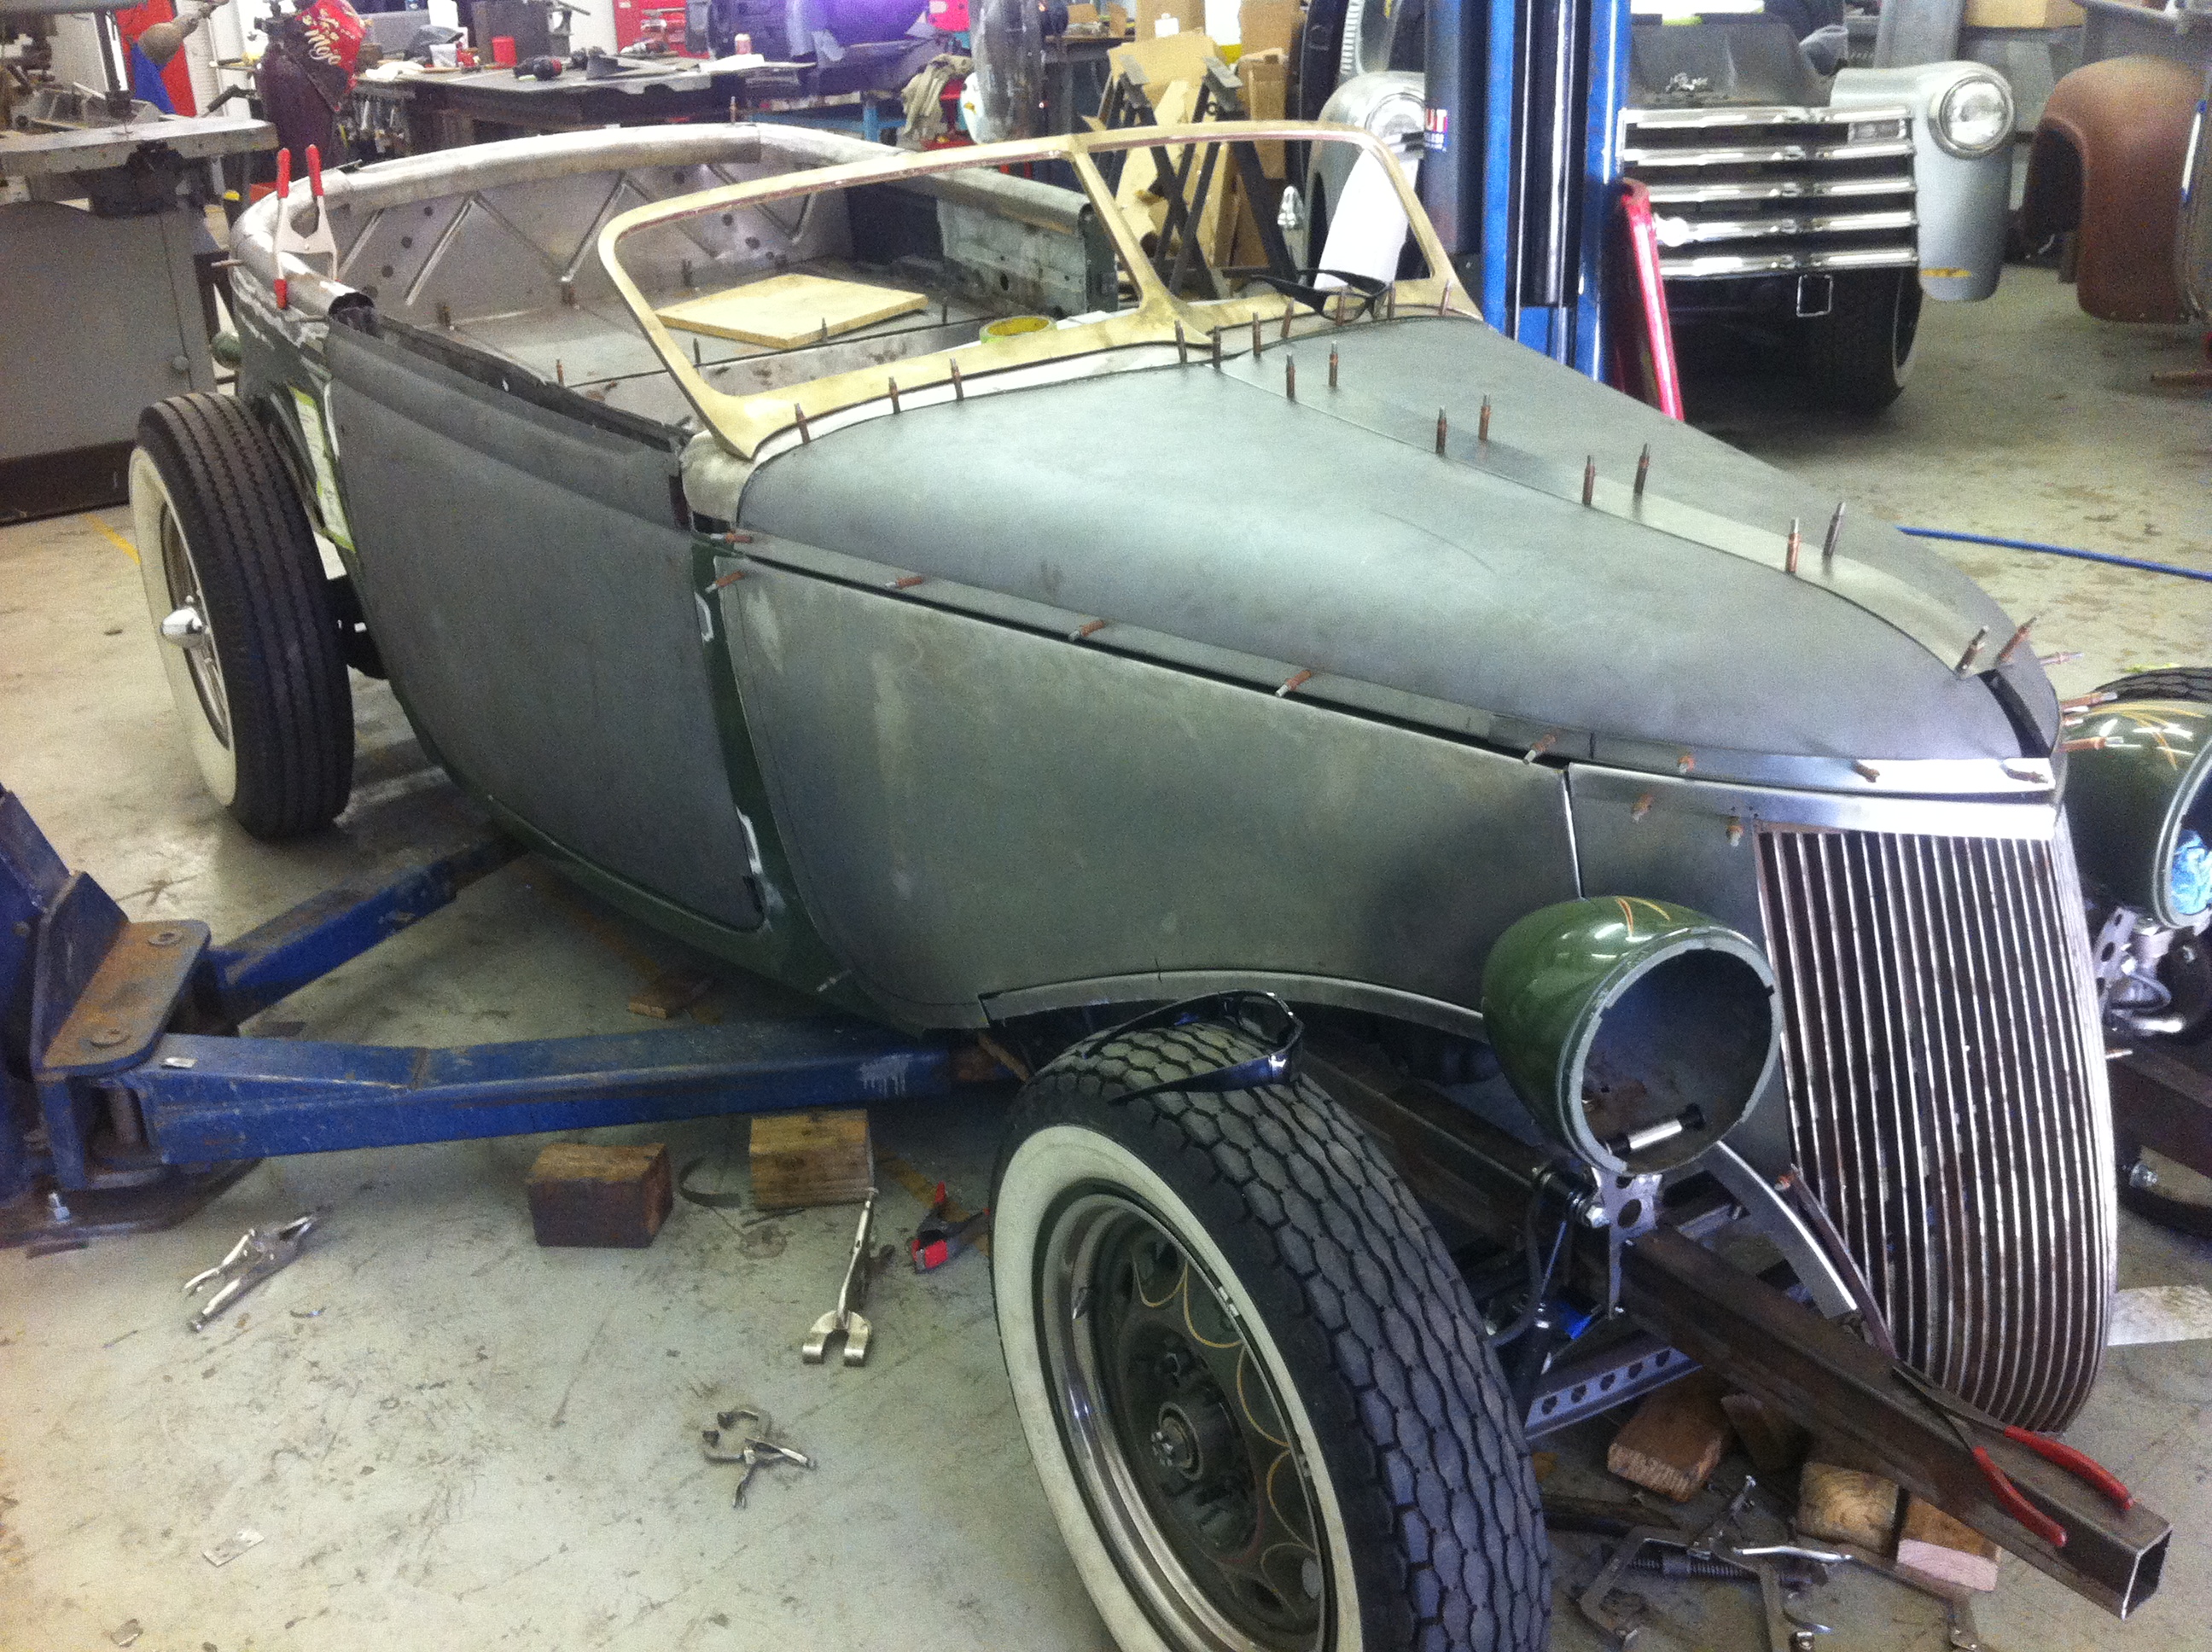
[[1761, 190], [1947, 1097]]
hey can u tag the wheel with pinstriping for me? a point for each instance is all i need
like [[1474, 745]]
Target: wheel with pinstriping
[[240, 604], [1257, 1393]]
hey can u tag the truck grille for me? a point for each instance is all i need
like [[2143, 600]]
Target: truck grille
[[1947, 1100], [1758, 192]]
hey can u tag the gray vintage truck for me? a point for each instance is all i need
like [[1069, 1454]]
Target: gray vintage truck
[[1489, 889], [1813, 209]]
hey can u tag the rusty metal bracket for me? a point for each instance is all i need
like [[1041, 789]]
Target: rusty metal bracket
[[127, 1004]]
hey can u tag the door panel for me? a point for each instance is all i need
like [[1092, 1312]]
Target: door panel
[[532, 597]]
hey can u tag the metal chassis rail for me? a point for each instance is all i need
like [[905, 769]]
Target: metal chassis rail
[[1696, 1308], [126, 1093]]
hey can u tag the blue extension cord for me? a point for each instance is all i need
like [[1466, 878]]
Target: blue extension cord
[[2059, 550]]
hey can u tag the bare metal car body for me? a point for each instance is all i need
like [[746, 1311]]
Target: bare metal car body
[[947, 695]]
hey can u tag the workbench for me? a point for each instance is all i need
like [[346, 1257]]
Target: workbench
[[445, 109], [104, 307]]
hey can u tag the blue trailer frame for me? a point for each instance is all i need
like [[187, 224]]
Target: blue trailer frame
[[125, 1089]]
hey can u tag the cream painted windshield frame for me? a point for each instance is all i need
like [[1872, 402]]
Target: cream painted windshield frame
[[744, 423]]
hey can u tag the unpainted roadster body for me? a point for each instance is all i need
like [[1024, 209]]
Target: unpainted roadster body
[[1117, 625]]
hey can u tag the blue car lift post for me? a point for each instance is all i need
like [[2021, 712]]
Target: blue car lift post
[[1521, 158], [128, 1099]]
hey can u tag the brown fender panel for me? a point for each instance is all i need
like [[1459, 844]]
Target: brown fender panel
[[2108, 165]]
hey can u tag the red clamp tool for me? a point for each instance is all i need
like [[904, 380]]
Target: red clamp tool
[[1958, 1413], [941, 1237], [289, 239]]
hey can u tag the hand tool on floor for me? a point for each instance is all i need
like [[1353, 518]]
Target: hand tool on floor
[[258, 1254], [1958, 1413], [938, 1238], [845, 1317], [741, 1436]]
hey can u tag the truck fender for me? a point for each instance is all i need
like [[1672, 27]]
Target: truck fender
[[2106, 165]]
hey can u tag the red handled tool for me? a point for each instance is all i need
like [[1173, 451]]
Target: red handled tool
[[1958, 1413], [939, 1238]]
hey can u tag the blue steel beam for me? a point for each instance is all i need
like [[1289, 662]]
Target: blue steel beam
[[213, 1098], [326, 930]]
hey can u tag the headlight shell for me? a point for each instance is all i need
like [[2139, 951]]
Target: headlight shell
[[1973, 117]]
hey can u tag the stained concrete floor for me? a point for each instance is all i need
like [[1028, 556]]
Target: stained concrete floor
[[448, 1437]]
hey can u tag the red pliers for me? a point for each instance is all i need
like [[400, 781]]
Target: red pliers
[[1958, 1413]]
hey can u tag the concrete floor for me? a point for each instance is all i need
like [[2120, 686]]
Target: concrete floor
[[474, 1443]]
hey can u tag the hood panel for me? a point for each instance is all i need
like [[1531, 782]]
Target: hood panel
[[1184, 501]]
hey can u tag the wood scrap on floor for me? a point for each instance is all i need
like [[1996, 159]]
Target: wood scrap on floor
[[1675, 1439], [787, 311], [1846, 1504], [669, 994], [599, 1195], [821, 1157], [1932, 1548]]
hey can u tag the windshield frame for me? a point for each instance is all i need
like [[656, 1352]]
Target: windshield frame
[[743, 424]]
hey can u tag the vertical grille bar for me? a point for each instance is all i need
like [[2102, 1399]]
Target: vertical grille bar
[[1946, 1097]]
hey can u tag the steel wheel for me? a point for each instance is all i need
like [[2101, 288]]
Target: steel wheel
[[1177, 1429]]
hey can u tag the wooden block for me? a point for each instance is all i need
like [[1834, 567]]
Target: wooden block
[[583, 1194], [1933, 1548], [1774, 1443], [1847, 1505], [811, 1159], [784, 312], [668, 995], [1674, 1442]]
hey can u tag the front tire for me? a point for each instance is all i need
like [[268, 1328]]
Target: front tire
[[235, 586], [1257, 1392], [1860, 354]]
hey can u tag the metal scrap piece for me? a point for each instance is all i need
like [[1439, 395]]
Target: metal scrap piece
[[231, 1547]]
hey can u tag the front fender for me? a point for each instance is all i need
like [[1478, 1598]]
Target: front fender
[[1961, 200], [2108, 165]]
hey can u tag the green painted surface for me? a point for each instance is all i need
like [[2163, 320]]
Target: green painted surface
[[2136, 772], [1554, 975]]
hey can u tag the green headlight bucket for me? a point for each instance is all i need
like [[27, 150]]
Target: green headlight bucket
[[1637, 1032], [2134, 783]]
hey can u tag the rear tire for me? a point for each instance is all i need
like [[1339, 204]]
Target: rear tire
[[1860, 354], [261, 685], [1368, 1488]]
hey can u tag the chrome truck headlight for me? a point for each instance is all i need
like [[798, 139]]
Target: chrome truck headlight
[[1639, 1033], [1973, 117], [2141, 809]]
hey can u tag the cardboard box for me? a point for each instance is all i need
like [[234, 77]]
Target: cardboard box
[[2023, 14], [1187, 16], [1157, 64], [1267, 26], [1267, 83]]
